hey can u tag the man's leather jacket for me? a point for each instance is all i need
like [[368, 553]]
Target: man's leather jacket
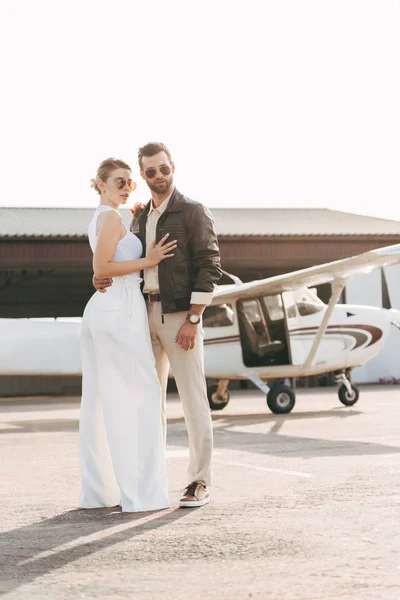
[[196, 266]]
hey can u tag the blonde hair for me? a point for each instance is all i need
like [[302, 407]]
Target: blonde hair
[[105, 169]]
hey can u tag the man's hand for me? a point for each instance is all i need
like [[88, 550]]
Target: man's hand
[[101, 285], [187, 336]]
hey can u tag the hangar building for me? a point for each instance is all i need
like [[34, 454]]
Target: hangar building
[[45, 260]]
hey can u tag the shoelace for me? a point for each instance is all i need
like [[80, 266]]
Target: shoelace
[[191, 488]]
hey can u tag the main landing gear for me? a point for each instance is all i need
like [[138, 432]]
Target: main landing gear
[[347, 392], [281, 398], [218, 395]]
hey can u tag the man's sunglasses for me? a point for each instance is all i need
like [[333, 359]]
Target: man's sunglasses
[[151, 173], [120, 183]]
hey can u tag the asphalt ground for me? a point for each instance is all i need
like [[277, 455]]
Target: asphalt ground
[[304, 506]]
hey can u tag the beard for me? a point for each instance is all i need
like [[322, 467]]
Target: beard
[[161, 189]]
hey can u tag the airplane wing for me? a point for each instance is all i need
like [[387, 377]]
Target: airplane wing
[[339, 270]]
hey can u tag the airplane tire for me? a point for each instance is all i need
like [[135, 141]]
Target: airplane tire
[[281, 399], [214, 402], [346, 398]]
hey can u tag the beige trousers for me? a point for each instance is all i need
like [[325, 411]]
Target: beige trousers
[[188, 370]]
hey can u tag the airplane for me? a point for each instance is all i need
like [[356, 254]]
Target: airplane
[[265, 331]]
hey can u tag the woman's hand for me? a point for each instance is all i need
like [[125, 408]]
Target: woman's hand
[[137, 209], [159, 252]]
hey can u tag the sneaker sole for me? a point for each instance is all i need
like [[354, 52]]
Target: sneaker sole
[[194, 504]]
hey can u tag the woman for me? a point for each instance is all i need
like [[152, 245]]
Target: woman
[[122, 451]]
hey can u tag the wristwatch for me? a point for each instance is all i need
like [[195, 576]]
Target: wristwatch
[[194, 319]]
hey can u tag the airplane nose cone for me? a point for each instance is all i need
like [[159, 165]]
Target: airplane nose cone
[[394, 316]]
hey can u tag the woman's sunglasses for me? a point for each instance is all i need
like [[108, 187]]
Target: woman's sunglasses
[[120, 183], [150, 173]]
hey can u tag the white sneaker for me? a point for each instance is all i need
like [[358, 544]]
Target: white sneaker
[[196, 494]]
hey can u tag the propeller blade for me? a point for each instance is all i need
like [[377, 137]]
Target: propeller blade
[[385, 291]]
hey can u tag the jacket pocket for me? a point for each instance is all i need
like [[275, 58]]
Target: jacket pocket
[[178, 233], [173, 230], [180, 277]]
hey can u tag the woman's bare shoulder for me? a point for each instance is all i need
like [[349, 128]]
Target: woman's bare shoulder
[[109, 217], [109, 220]]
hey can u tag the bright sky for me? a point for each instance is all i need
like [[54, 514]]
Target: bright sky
[[268, 103]]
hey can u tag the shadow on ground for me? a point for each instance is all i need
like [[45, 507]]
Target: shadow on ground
[[22, 557], [227, 436], [272, 442]]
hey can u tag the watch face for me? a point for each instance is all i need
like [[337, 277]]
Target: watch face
[[194, 319]]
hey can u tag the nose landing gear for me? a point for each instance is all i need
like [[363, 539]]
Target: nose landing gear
[[347, 392]]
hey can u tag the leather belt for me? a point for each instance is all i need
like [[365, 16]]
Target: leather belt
[[152, 297]]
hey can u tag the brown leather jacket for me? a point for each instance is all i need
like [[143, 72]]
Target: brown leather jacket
[[196, 266]]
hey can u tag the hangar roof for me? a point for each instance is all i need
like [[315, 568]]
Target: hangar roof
[[72, 222]]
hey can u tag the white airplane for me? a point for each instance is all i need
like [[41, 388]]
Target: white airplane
[[264, 331]]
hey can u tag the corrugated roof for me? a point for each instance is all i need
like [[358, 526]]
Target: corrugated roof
[[73, 222], [299, 221]]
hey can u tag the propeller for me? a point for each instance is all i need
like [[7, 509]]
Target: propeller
[[385, 291]]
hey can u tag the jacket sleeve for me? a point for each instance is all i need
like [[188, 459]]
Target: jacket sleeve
[[205, 256], [135, 225]]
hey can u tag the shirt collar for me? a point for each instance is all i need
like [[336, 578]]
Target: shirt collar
[[163, 207]]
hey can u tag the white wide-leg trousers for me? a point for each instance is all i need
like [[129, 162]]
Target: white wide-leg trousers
[[121, 444]]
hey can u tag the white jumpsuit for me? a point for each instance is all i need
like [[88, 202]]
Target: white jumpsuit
[[122, 450]]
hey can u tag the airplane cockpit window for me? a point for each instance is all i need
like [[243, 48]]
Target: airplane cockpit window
[[263, 339], [251, 309], [218, 316], [274, 307], [290, 305], [307, 302]]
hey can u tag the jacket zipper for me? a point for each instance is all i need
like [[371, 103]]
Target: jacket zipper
[[142, 231], [162, 219]]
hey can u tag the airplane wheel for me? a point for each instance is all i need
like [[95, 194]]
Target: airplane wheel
[[215, 402], [281, 399], [346, 398]]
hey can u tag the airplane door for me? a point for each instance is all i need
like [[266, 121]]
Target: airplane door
[[305, 311], [276, 324], [298, 348]]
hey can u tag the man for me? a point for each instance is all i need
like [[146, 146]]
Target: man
[[176, 292]]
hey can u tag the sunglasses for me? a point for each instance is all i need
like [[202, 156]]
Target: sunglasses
[[120, 183], [150, 173]]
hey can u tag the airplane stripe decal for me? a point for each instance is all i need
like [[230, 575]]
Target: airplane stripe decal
[[360, 336], [375, 332], [223, 340]]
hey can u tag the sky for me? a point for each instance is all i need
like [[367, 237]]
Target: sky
[[267, 103]]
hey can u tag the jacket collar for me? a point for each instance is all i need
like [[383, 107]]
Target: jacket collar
[[163, 207], [175, 204]]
